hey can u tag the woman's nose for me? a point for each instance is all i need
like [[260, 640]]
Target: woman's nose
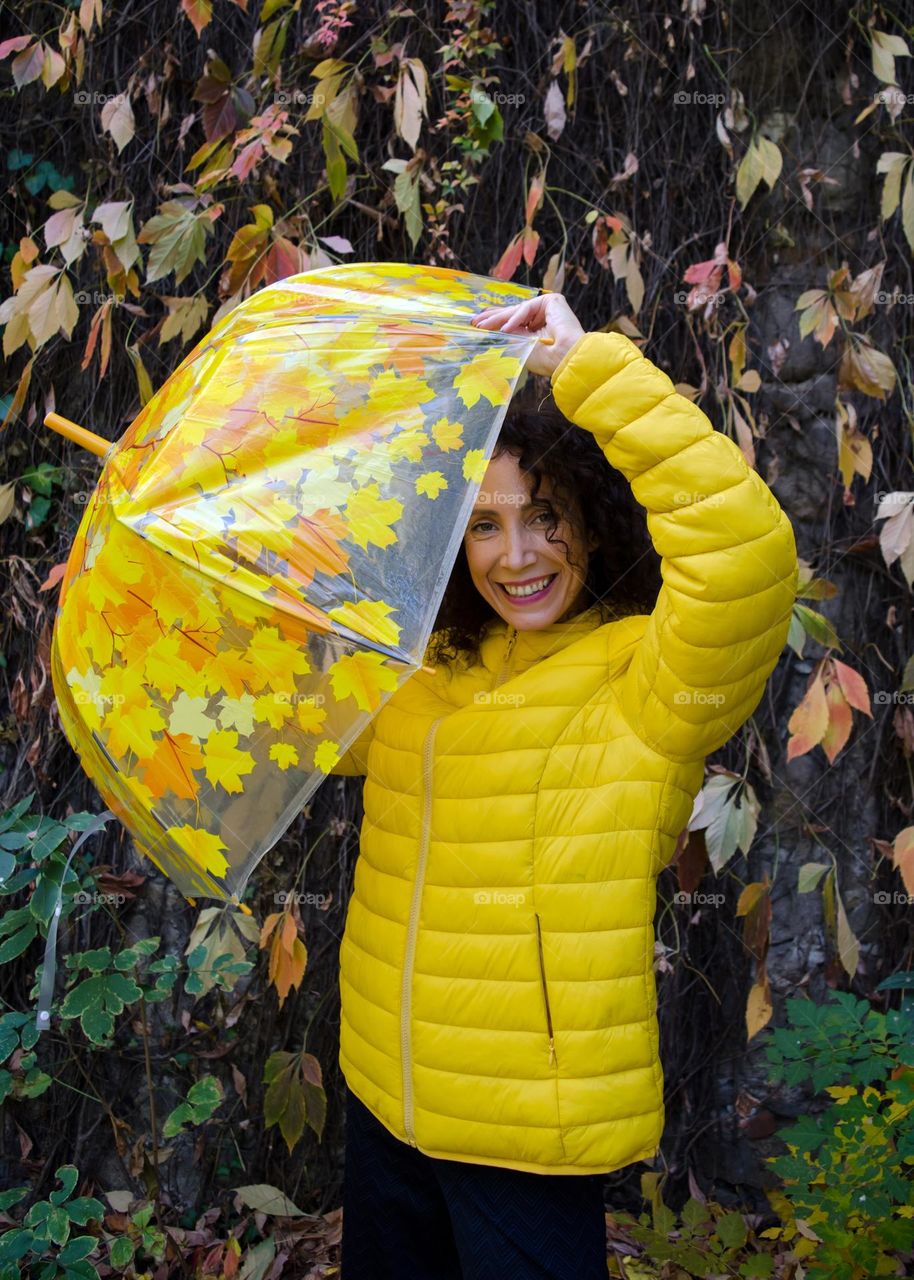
[[519, 546]]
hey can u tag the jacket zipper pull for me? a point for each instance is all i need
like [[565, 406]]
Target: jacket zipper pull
[[551, 1051], [506, 658]]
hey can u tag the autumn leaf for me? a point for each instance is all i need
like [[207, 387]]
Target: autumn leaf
[[200, 13], [369, 618], [326, 755], [363, 676], [178, 236], [824, 715], [761, 163], [369, 517], [295, 1095], [728, 815], [489, 375], [288, 956], [410, 100], [809, 722], [896, 538], [203, 847], [758, 1006], [837, 926], [431, 483], [447, 435], [225, 763], [885, 48], [865, 368], [117, 119], [903, 856]]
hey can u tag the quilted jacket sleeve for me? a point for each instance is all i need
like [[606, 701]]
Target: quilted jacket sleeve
[[728, 555]]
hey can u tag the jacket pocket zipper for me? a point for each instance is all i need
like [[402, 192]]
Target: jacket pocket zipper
[[539, 947]]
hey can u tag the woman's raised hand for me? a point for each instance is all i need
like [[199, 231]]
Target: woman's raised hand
[[548, 316]]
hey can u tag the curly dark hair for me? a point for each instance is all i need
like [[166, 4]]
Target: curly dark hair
[[623, 571]]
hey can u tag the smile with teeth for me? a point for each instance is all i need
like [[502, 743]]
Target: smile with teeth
[[537, 588]]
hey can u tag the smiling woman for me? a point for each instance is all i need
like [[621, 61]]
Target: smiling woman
[[498, 1032]]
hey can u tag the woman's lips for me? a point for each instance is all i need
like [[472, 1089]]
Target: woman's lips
[[531, 599]]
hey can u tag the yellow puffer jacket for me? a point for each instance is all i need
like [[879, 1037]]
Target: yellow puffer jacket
[[498, 998]]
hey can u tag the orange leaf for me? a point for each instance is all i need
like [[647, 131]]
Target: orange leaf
[[809, 722], [200, 13], [54, 576], [509, 261], [853, 686], [840, 722]]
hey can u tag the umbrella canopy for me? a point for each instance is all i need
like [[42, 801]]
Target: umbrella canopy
[[261, 564]]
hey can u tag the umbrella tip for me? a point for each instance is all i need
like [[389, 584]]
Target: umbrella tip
[[192, 901], [242, 907]]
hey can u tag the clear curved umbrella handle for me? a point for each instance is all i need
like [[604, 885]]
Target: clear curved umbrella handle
[[49, 968]]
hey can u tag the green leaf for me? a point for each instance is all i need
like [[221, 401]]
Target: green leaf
[[732, 1230], [121, 1253], [84, 1208], [78, 1248], [12, 947], [15, 1244], [58, 1225]]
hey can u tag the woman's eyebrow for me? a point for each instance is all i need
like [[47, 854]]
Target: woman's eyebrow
[[491, 511]]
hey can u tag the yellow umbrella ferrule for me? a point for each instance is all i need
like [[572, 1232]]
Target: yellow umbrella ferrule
[[79, 435]]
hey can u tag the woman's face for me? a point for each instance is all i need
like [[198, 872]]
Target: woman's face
[[506, 545]]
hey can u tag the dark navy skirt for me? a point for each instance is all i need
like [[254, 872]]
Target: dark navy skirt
[[409, 1216]]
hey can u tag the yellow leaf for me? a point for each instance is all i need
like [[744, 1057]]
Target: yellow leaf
[[474, 466], [758, 1006], [903, 856], [225, 763], [326, 754], [369, 517], [284, 754], [490, 374], [362, 676], [203, 846], [131, 729], [370, 619], [430, 483], [447, 435]]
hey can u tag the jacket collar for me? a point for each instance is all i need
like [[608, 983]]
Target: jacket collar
[[508, 651]]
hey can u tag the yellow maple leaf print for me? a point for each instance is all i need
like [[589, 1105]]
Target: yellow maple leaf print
[[274, 708], [407, 444], [275, 659], [369, 618], [202, 846], [362, 676], [131, 729], [284, 754], [326, 754], [310, 715], [490, 375], [430, 483], [447, 435], [225, 763], [474, 466], [370, 516]]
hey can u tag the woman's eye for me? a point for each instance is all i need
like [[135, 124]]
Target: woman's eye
[[545, 515], [479, 524]]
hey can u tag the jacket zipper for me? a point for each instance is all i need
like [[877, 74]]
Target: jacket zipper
[[411, 933], [539, 944], [507, 660]]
